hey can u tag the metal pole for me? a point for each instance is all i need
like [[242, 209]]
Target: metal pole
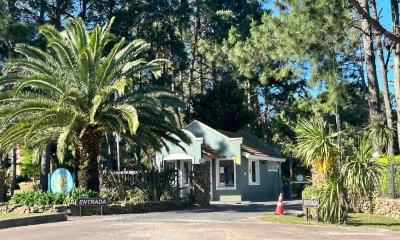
[[117, 139]]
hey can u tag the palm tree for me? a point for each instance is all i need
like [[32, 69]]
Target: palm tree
[[77, 90], [317, 147]]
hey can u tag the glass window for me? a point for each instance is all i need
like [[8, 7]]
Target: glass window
[[185, 173], [169, 165], [254, 172], [226, 174], [273, 166]]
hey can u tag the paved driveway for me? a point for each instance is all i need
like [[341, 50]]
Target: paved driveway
[[220, 221]]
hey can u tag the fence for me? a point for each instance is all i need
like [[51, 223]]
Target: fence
[[390, 180]]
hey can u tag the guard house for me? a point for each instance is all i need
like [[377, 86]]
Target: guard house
[[242, 167]]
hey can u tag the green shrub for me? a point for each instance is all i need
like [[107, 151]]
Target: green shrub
[[155, 184], [384, 175], [329, 194], [31, 198]]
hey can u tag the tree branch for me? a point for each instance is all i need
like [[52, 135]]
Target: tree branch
[[374, 23]]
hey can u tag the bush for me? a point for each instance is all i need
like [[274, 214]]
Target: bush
[[30, 198], [116, 187], [155, 184], [330, 209], [384, 176]]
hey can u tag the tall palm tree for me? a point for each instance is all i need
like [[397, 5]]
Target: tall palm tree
[[78, 89], [317, 147]]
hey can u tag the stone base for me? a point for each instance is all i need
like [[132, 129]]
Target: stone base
[[388, 207], [120, 208]]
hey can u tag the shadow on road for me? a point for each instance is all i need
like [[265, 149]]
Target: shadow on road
[[248, 207]]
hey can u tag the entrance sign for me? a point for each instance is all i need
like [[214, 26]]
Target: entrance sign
[[91, 202], [311, 203], [94, 202]]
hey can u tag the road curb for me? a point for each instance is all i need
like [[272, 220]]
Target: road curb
[[19, 222]]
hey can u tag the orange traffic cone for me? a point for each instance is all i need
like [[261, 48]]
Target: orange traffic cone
[[279, 206]]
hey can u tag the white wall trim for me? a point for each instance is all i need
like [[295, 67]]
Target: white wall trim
[[257, 182], [217, 187], [255, 157]]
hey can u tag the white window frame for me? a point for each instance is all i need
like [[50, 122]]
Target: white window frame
[[257, 172], [175, 168], [182, 169], [217, 186], [273, 169]]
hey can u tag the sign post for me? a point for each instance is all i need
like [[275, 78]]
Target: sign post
[[311, 203], [93, 202]]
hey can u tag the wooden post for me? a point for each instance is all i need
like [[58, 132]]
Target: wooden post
[[307, 214], [80, 211], [317, 215]]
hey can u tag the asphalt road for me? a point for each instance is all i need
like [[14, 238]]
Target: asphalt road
[[221, 221]]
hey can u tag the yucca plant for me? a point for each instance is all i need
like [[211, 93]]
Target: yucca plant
[[77, 90], [316, 146], [360, 171], [329, 193]]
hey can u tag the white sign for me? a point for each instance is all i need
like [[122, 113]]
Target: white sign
[[221, 170]]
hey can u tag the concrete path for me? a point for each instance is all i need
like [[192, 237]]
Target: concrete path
[[220, 221]]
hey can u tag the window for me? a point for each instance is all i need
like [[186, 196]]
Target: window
[[185, 173], [273, 166], [254, 172], [226, 174], [169, 165]]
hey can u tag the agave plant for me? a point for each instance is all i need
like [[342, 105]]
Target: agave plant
[[316, 145], [77, 90]]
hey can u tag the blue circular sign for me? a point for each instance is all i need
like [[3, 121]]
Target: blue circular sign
[[61, 181]]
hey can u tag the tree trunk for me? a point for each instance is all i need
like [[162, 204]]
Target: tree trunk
[[13, 171], [193, 61], [385, 86], [110, 161], [316, 176], [42, 12], [87, 150], [45, 168], [373, 91], [395, 22], [83, 10], [2, 184]]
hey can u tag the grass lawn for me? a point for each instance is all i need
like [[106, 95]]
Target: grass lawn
[[355, 219], [6, 216]]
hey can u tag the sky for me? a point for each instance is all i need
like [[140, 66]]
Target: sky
[[385, 19]]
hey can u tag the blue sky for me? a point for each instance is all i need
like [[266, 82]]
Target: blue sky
[[383, 7]]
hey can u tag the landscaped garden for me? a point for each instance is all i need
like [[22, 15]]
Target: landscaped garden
[[92, 91]]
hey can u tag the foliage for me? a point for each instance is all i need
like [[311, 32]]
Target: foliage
[[30, 166], [30, 198], [384, 175], [155, 184], [378, 132], [330, 199], [316, 144], [223, 107], [116, 187], [360, 171], [82, 89]]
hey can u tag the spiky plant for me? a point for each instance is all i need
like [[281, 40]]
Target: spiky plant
[[360, 171], [78, 89], [316, 145]]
